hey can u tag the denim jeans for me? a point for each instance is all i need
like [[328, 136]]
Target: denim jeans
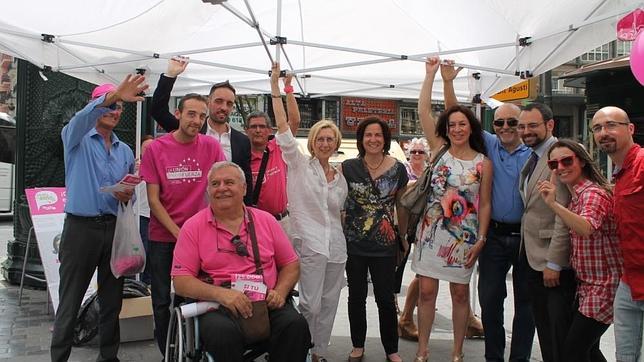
[[160, 262], [629, 326], [501, 252]]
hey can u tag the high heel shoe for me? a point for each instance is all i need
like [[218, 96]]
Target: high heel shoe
[[421, 358], [459, 358], [474, 328], [407, 330]]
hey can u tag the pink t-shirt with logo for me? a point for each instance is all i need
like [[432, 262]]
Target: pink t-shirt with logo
[[205, 246], [181, 170], [272, 197]]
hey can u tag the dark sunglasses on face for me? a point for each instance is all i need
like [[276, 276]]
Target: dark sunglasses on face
[[564, 161], [512, 122], [417, 152], [240, 248]]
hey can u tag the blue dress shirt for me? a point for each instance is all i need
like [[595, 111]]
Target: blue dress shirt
[[507, 205], [89, 165]]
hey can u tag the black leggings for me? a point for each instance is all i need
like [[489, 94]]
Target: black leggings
[[382, 270], [582, 341]]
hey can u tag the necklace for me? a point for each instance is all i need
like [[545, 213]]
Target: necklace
[[374, 168]]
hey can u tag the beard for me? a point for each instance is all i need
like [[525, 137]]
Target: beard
[[607, 144]]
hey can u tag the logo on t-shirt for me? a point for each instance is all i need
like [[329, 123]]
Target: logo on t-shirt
[[187, 171]]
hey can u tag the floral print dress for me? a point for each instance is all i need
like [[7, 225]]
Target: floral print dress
[[449, 227]]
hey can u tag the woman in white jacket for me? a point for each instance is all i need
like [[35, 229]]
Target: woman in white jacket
[[316, 194]]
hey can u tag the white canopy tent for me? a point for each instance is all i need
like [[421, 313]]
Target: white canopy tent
[[370, 48]]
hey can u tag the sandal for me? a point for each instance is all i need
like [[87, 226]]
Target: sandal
[[407, 330]]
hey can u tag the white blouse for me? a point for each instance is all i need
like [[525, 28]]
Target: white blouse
[[314, 204]]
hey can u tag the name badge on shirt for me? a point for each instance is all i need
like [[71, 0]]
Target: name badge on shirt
[[250, 284]]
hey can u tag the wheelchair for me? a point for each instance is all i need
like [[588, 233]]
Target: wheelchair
[[183, 343]]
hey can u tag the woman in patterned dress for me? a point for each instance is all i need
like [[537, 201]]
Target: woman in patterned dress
[[594, 255], [375, 182], [451, 234]]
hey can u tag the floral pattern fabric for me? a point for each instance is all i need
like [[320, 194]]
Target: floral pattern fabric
[[449, 227], [369, 222]]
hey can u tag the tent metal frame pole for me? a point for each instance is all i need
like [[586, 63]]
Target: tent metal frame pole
[[259, 32], [350, 50], [100, 71], [90, 65], [21, 34], [565, 39], [23, 56], [213, 49], [290, 65], [228, 66], [345, 65], [278, 28], [422, 56], [103, 47], [245, 19]]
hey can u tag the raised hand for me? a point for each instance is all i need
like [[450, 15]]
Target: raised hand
[[431, 65], [448, 73], [275, 73], [128, 90], [548, 189], [176, 66], [288, 79]]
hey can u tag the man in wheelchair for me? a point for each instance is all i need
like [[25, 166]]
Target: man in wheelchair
[[219, 240]]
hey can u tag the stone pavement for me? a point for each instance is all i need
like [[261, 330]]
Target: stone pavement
[[25, 332]]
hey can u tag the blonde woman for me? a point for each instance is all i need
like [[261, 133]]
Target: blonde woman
[[316, 194]]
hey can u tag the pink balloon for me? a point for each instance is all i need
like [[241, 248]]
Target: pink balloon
[[637, 58]]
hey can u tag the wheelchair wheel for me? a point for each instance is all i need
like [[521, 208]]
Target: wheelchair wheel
[[175, 342]]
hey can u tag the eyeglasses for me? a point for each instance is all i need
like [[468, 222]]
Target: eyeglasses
[[609, 126], [417, 152], [325, 140], [511, 122], [240, 247], [564, 161], [530, 126], [257, 126]]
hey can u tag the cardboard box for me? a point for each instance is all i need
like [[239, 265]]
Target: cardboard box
[[136, 320]]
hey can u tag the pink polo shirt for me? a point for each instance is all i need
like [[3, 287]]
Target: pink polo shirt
[[181, 171], [272, 197], [203, 245]]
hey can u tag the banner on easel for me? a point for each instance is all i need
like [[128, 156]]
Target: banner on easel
[[47, 208]]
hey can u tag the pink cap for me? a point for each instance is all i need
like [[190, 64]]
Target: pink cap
[[102, 89]]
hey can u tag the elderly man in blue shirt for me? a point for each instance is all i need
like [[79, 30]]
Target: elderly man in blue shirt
[[508, 155], [94, 157]]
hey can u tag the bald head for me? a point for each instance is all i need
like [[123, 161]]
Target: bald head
[[505, 109], [507, 113], [612, 112]]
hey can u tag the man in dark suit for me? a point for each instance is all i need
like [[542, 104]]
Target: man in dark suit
[[221, 102], [545, 238]]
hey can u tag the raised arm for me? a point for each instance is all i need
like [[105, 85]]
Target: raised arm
[[427, 120], [292, 110], [159, 109], [278, 106], [448, 73]]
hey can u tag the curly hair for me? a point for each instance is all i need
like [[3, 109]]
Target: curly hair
[[476, 140], [416, 141]]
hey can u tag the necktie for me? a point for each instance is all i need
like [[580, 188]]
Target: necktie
[[531, 164]]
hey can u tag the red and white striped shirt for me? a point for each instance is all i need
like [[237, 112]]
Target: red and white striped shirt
[[596, 259]]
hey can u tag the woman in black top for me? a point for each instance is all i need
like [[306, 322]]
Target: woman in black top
[[375, 182]]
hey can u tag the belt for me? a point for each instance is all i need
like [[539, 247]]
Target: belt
[[505, 228], [281, 215], [102, 218]]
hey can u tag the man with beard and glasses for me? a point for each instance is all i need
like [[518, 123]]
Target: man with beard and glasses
[[545, 238], [174, 168], [613, 133], [221, 101]]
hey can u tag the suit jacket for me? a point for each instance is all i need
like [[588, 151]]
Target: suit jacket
[[543, 235], [239, 142]]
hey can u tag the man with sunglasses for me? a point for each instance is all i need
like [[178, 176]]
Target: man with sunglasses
[[613, 133], [508, 155], [545, 238], [221, 101], [94, 157], [218, 243], [266, 158], [174, 168]]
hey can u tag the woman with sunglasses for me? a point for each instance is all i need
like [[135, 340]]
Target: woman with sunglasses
[[417, 151], [451, 233], [316, 194], [595, 255]]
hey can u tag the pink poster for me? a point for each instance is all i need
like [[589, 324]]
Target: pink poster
[[46, 200]]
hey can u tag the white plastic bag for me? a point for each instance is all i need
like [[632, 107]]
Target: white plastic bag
[[128, 255]]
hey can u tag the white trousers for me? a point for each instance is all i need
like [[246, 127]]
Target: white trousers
[[320, 286]]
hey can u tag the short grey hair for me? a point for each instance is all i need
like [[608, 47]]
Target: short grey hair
[[223, 164], [258, 114], [422, 141]]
